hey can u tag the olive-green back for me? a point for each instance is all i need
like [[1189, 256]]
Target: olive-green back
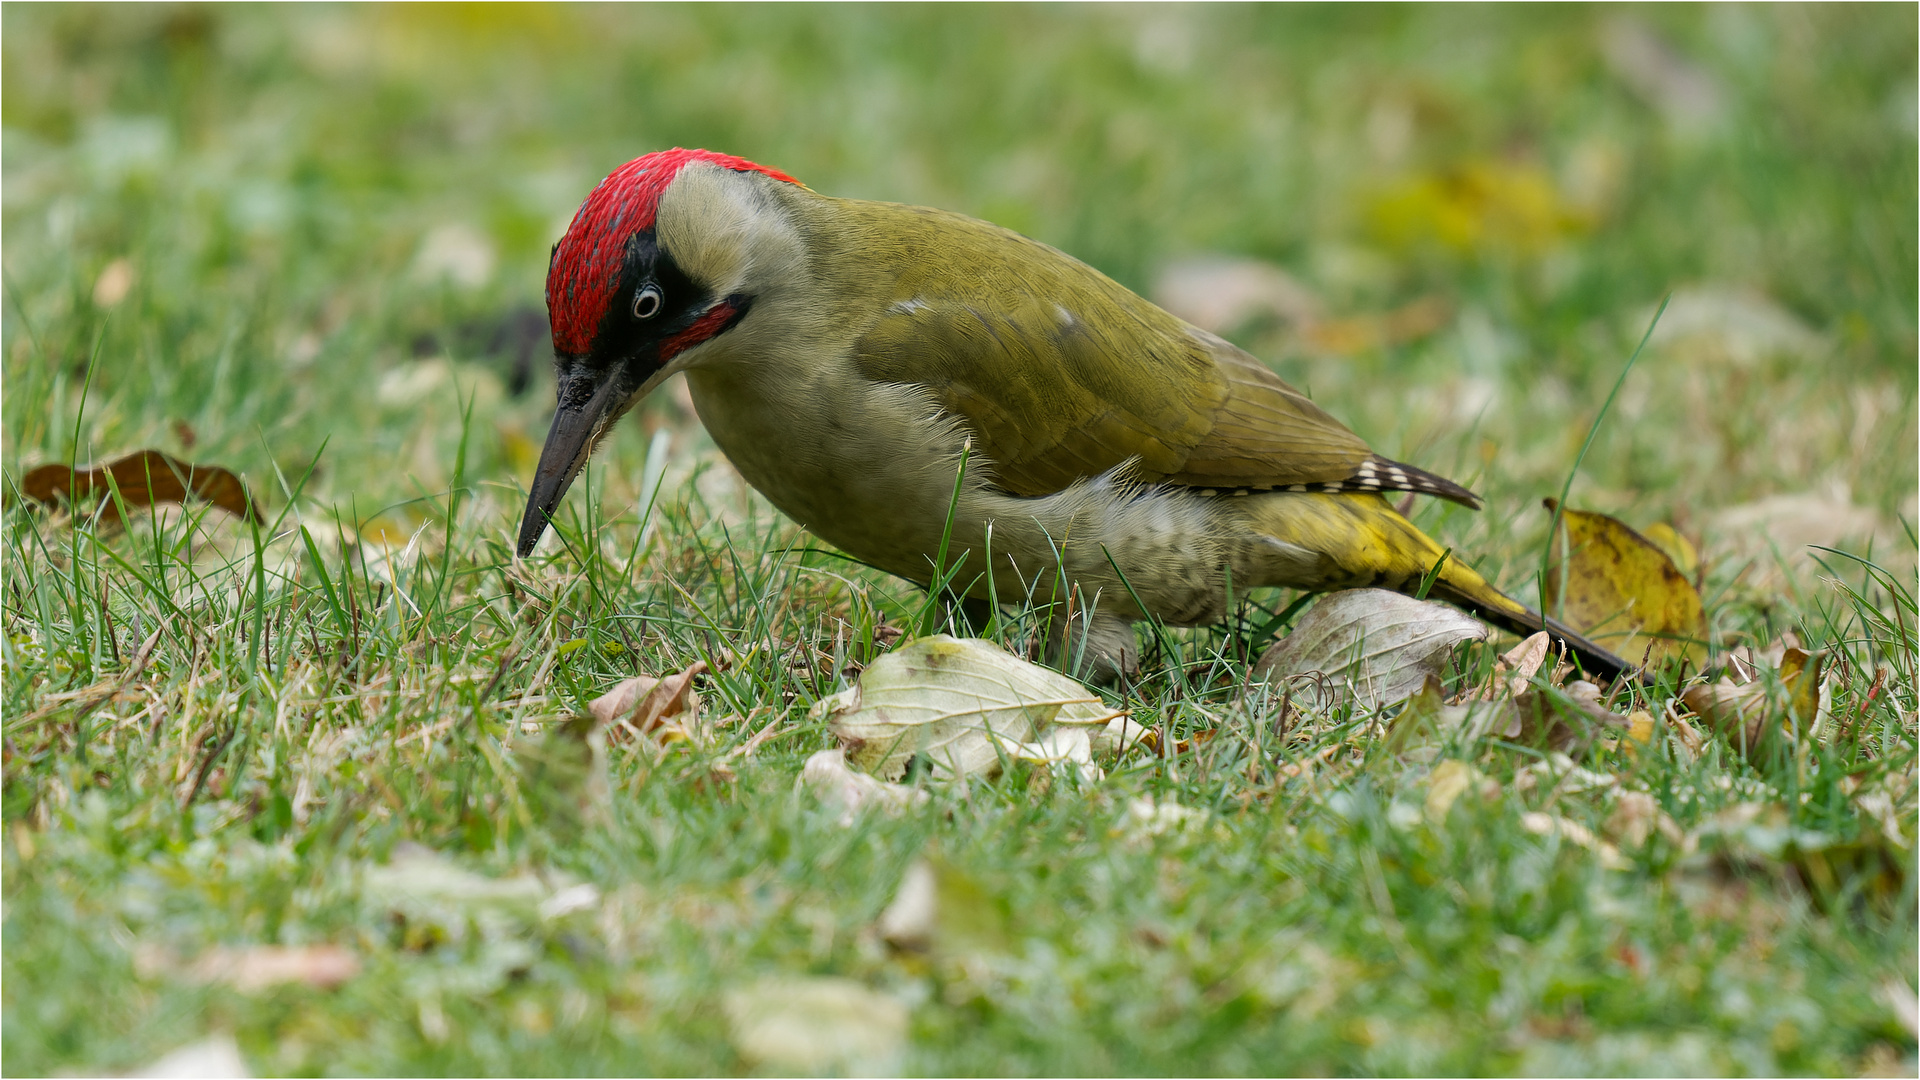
[[1060, 372]]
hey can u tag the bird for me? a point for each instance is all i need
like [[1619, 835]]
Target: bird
[[970, 409]]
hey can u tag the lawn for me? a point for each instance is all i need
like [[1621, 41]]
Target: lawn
[[309, 789]]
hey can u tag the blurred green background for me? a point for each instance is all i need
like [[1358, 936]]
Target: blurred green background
[[279, 225]]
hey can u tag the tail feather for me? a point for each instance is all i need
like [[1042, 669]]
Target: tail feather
[[1514, 617]]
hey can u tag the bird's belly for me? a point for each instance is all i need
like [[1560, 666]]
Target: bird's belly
[[873, 471]]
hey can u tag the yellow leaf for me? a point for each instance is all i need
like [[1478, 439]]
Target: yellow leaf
[[1619, 588], [1677, 547], [1477, 207]]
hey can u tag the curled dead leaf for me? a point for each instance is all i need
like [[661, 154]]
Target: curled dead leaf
[[1560, 720], [1369, 645], [1749, 713], [143, 478], [826, 775], [1522, 662], [948, 700], [1620, 589], [642, 705]]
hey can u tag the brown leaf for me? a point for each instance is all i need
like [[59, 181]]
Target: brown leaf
[[260, 966], [1730, 707], [642, 703], [1561, 720], [1743, 713], [144, 478], [1622, 590]]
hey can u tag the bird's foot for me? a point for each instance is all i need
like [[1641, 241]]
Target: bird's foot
[[1098, 651]]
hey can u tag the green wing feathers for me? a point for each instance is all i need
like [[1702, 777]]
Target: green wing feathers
[[1062, 374]]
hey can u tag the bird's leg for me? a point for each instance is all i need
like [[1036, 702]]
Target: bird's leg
[[1097, 648], [969, 616]]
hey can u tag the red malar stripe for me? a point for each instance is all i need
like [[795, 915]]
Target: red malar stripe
[[714, 321]]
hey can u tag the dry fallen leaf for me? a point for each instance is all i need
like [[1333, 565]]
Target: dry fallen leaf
[[1745, 713], [1562, 719], [1064, 750], [1623, 591], [816, 1024], [909, 920], [143, 478], [642, 704], [1523, 661], [1542, 824], [945, 699], [826, 775], [1375, 646], [260, 966]]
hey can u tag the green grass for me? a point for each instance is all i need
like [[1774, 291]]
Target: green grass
[[316, 700]]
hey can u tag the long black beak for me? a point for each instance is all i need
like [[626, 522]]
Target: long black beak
[[585, 412]]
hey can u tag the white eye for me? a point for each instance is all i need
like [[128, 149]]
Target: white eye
[[646, 302]]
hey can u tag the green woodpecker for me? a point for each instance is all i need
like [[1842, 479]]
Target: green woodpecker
[[848, 355]]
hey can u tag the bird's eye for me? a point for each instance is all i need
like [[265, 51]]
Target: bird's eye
[[646, 302]]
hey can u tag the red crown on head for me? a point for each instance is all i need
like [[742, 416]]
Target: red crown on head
[[587, 261]]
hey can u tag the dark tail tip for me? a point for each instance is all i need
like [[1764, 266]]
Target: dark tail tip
[[1388, 475], [1594, 660]]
